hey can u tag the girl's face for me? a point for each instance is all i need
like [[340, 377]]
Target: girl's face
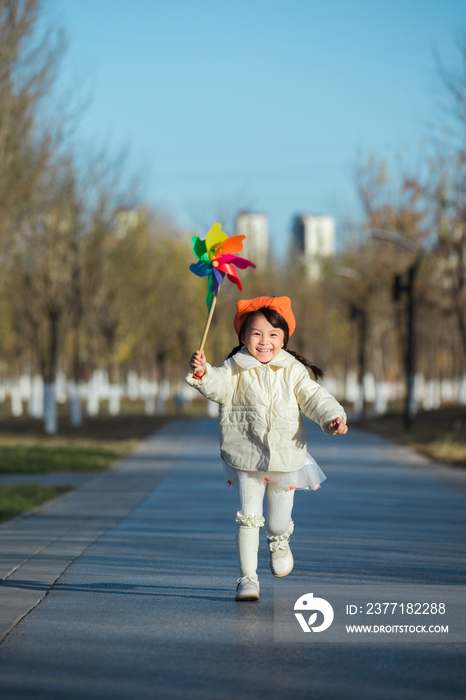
[[262, 340]]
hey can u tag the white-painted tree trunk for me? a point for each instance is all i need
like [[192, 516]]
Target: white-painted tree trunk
[[446, 390], [462, 391], [16, 401], [351, 388], [93, 399], [114, 400], [437, 394], [148, 391], [381, 398], [133, 386], [149, 405], [432, 395], [60, 388], [25, 387], [358, 404], [76, 416], [50, 409], [369, 387], [427, 402], [142, 390], [100, 383], [36, 402], [419, 388]]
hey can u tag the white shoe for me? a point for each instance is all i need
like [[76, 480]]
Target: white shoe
[[247, 588], [281, 558]]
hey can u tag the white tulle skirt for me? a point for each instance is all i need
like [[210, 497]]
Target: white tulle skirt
[[308, 478]]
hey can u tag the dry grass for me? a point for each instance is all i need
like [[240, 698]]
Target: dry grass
[[441, 434]]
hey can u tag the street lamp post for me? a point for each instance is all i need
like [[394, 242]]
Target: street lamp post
[[359, 315], [407, 288]]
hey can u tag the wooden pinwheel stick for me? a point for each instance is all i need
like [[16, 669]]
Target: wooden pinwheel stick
[[209, 321]]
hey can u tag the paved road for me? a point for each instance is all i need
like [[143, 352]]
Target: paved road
[[144, 607]]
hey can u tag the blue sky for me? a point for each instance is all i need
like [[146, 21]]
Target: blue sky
[[260, 104]]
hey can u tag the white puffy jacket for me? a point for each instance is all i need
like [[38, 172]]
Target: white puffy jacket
[[261, 427]]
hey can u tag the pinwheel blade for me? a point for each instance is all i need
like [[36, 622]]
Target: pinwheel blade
[[242, 263], [205, 259], [214, 238], [199, 248], [235, 279], [200, 269], [231, 245], [231, 273], [216, 280]]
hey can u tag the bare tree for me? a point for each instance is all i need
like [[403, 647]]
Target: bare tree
[[28, 62], [447, 188]]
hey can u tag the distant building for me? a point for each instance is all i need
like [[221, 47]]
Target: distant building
[[313, 239], [256, 229]]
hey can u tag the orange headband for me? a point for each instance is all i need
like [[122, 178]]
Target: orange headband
[[280, 304]]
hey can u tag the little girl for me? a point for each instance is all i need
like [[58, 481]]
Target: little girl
[[262, 389]]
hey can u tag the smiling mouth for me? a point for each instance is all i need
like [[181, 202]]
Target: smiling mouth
[[264, 352]]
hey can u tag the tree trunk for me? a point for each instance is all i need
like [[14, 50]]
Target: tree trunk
[[50, 407]]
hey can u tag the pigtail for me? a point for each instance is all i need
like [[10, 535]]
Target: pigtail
[[235, 350], [318, 373]]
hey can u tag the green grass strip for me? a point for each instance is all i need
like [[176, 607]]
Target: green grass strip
[[31, 457], [16, 499]]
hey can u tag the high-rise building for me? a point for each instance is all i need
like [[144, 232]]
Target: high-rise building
[[313, 239], [256, 229]]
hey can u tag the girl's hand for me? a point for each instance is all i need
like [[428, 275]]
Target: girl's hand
[[198, 363], [339, 426]]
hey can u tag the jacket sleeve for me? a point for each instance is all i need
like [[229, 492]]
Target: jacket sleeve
[[214, 383], [316, 402]]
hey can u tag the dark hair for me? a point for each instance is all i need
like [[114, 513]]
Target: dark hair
[[277, 321]]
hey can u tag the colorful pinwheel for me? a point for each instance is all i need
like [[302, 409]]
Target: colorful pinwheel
[[216, 258]]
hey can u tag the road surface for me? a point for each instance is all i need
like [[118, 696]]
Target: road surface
[[124, 587]]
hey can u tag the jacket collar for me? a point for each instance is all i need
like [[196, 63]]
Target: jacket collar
[[245, 360]]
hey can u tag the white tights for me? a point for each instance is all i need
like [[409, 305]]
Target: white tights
[[249, 518]]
